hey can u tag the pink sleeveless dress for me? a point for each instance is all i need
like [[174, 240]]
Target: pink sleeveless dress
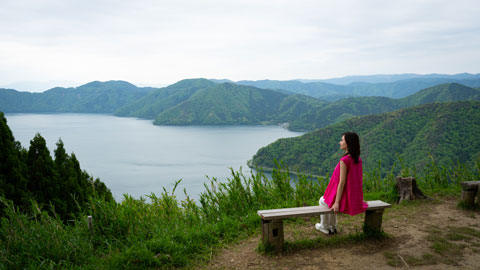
[[352, 199]]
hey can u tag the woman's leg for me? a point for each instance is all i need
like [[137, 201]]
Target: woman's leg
[[333, 222], [324, 225], [330, 219], [328, 222], [325, 218]]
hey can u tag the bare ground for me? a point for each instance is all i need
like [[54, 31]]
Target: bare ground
[[426, 235]]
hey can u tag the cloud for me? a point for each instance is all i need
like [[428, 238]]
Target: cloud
[[165, 41]]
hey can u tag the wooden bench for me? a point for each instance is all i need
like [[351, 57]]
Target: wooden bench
[[272, 220], [469, 191]]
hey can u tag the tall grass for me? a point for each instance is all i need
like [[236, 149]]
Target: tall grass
[[446, 179], [41, 241], [166, 233]]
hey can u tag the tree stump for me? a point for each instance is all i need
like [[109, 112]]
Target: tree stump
[[469, 191], [408, 190]]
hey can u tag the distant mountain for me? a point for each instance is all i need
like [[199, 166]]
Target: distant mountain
[[221, 81], [162, 99], [203, 102], [93, 97], [226, 104], [38, 86], [403, 88], [441, 93], [319, 90], [332, 92], [447, 132], [293, 106], [347, 108], [388, 78]]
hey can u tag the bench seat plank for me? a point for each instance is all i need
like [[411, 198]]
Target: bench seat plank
[[310, 210]]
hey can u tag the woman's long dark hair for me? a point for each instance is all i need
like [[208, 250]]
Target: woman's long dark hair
[[353, 145]]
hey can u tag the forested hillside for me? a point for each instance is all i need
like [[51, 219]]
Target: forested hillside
[[203, 102], [94, 97], [346, 108], [32, 173], [441, 93], [235, 104], [446, 132], [162, 99], [320, 90]]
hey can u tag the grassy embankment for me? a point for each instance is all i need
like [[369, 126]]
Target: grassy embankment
[[168, 233]]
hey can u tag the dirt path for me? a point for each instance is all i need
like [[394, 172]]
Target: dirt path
[[429, 235]]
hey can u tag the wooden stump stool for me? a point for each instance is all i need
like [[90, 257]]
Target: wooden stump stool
[[469, 191], [408, 189]]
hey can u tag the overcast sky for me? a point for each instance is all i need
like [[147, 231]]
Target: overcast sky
[[152, 42]]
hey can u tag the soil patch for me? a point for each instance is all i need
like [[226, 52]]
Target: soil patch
[[429, 234]]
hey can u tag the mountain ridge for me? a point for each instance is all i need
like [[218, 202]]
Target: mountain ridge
[[386, 78], [333, 92], [237, 105]]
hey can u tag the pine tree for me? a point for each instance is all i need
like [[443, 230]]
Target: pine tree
[[42, 182], [13, 184], [75, 184], [33, 174], [101, 191]]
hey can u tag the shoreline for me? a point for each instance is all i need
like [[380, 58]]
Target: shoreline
[[270, 170]]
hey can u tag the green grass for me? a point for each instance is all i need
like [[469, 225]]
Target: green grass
[[465, 206], [468, 231], [457, 237], [395, 260], [166, 233], [425, 259]]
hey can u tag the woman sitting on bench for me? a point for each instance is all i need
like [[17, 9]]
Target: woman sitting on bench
[[344, 192]]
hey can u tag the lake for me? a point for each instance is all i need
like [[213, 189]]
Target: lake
[[132, 156]]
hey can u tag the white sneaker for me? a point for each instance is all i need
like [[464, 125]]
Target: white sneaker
[[319, 227]]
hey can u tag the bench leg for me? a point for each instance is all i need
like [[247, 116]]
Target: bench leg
[[272, 233], [373, 221], [468, 196]]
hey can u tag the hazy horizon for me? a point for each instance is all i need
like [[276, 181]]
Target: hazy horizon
[[41, 86]]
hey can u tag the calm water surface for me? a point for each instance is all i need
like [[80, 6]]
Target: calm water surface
[[133, 156]]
